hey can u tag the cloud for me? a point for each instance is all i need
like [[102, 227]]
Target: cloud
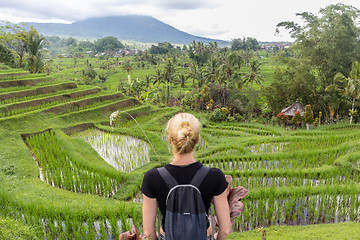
[[72, 10], [185, 4]]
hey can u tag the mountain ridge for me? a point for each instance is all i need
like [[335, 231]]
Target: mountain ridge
[[127, 27]]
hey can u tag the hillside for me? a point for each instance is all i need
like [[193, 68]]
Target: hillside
[[130, 27]]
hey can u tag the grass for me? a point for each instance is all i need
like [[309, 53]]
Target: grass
[[11, 229], [339, 231]]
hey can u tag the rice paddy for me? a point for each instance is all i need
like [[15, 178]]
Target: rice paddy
[[124, 153], [72, 181]]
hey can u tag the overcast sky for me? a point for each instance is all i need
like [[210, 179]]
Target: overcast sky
[[219, 19]]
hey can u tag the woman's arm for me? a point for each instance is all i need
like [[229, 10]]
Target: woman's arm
[[223, 215], [149, 217]]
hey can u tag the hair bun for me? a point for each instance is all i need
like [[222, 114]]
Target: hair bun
[[184, 130]]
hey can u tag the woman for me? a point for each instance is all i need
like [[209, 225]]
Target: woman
[[184, 134]]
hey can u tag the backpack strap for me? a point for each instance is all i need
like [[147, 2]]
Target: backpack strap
[[168, 178], [200, 176]]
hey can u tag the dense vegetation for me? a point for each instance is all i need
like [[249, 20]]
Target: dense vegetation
[[62, 175]]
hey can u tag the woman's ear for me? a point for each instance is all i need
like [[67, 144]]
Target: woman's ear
[[198, 140], [169, 139]]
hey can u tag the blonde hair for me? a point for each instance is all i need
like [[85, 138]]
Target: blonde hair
[[184, 131]]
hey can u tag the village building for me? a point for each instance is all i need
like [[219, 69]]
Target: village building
[[291, 110]]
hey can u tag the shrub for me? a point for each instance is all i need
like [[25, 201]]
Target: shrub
[[297, 118], [308, 116], [218, 115], [282, 118]]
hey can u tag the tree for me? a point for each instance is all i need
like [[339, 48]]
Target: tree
[[6, 56], [308, 116], [169, 76], [158, 76], [212, 70], [231, 63], [244, 44], [15, 38], [108, 44], [297, 118], [328, 41], [254, 75], [194, 68], [353, 85], [182, 78], [127, 66], [199, 53], [294, 79], [35, 59], [161, 48]]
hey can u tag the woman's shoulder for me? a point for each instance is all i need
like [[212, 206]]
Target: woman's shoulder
[[151, 173], [216, 172]]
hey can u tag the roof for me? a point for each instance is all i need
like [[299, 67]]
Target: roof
[[291, 110]]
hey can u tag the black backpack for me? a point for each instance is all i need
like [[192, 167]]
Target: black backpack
[[186, 216]]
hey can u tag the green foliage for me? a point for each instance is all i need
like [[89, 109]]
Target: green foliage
[[315, 41], [107, 44], [308, 115], [221, 114], [297, 119], [293, 81], [248, 43], [15, 38], [161, 48], [35, 59], [282, 118], [199, 53], [6, 56]]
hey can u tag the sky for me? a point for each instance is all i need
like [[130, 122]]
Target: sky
[[218, 19]]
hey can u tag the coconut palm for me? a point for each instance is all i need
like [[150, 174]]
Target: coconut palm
[[231, 63], [127, 66], [147, 81], [182, 78], [35, 54], [158, 76], [194, 68], [212, 70], [353, 85], [254, 75], [169, 76]]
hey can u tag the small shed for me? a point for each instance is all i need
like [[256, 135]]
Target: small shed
[[291, 110]]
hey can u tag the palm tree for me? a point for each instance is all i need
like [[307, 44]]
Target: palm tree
[[169, 76], [212, 70], [35, 55], [147, 81], [353, 85], [200, 77], [127, 66], [194, 68], [182, 78], [231, 63], [254, 75], [158, 76]]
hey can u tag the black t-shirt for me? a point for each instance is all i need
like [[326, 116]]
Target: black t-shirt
[[153, 185]]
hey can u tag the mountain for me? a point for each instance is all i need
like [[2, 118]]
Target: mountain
[[130, 27]]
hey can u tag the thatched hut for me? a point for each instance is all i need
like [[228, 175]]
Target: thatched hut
[[291, 110]]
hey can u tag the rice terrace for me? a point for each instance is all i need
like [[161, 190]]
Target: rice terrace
[[79, 130]]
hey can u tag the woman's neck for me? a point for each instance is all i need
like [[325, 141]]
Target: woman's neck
[[183, 159]]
